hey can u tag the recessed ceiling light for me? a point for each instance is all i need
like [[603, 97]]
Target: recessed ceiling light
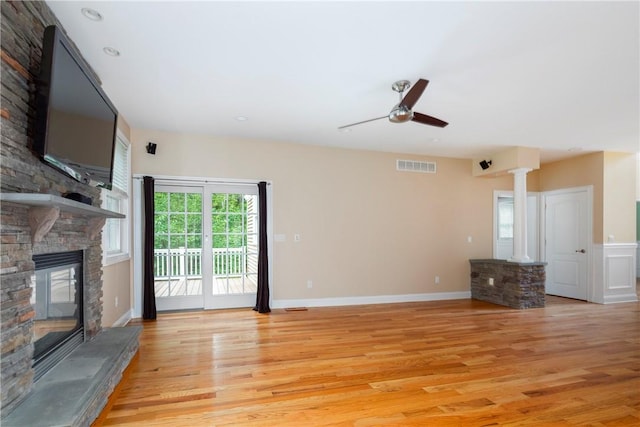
[[345, 130], [242, 118], [92, 14], [111, 51]]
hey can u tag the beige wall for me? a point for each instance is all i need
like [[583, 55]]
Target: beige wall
[[116, 283], [366, 229], [619, 207], [369, 230], [638, 176], [123, 126], [533, 181]]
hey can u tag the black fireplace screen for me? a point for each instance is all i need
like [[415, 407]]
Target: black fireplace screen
[[57, 300]]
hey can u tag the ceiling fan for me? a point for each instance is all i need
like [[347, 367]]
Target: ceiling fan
[[403, 112]]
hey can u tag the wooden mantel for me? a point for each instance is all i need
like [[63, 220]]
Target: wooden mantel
[[45, 209]]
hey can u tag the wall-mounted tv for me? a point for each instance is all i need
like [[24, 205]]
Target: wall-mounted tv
[[76, 122]]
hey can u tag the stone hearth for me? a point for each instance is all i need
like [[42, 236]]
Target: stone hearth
[[74, 392]]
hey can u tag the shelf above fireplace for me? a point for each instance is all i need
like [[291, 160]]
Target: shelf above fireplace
[[45, 209], [65, 205]]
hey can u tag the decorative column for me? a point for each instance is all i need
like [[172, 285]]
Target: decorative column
[[520, 215]]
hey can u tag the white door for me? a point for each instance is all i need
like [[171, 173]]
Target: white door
[[566, 250], [230, 250], [206, 246], [178, 273]]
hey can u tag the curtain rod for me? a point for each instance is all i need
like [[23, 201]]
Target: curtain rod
[[197, 180]]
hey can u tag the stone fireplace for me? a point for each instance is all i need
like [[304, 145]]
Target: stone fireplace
[[20, 308], [37, 223]]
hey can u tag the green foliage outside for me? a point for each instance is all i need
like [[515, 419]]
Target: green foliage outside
[[229, 220], [178, 220]]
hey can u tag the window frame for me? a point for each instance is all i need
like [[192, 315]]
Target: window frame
[[121, 196], [504, 221]]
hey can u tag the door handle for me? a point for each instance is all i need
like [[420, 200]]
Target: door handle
[[582, 251]]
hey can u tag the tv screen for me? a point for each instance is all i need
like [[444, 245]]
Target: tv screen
[[76, 121]]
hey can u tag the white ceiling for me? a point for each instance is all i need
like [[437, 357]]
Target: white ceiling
[[561, 76]]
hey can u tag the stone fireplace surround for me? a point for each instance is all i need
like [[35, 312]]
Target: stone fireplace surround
[[22, 172]]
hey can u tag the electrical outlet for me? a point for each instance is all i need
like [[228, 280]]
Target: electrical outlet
[[490, 281], [437, 280], [296, 238], [309, 284], [116, 301]]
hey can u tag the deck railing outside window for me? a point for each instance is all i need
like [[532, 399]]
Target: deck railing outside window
[[185, 262]]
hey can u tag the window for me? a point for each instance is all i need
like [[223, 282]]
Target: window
[[505, 218], [235, 243], [115, 235], [178, 243]]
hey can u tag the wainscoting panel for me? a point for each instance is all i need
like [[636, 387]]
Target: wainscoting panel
[[638, 260], [614, 278]]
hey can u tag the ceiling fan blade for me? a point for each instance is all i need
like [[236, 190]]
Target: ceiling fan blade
[[428, 120], [414, 93], [364, 121]]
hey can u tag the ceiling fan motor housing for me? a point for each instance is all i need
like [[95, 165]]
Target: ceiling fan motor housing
[[400, 114]]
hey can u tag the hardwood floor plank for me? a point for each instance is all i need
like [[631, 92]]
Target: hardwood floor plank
[[444, 363]]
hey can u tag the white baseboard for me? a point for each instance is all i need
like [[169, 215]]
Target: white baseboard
[[124, 319], [630, 297], [377, 299]]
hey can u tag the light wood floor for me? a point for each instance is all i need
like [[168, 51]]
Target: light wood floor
[[447, 363]]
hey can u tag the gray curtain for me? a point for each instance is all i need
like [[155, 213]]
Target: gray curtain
[[262, 298], [148, 286]]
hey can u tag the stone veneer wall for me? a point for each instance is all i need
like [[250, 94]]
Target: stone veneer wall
[[23, 26], [516, 285]]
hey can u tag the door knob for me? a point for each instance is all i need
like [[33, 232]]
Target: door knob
[[582, 251]]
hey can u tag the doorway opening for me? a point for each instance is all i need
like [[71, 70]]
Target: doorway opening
[[206, 246]]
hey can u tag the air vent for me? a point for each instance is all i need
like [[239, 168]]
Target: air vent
[[415, 166]]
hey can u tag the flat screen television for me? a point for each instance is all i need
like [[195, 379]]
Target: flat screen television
[[75, 120]]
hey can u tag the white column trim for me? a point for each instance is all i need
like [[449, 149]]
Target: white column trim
[[520, 215]]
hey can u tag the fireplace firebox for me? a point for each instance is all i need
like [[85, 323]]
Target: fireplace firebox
[[57, 298]]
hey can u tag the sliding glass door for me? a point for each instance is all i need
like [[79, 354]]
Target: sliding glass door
[[234, 245], [178, 248], [206, 246]]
